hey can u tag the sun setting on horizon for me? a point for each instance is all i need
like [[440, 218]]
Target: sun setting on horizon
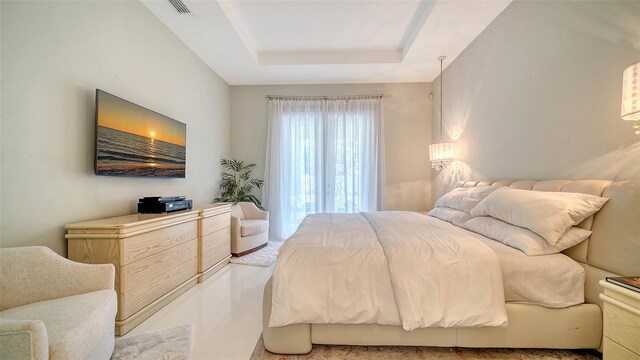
[[119, 114]]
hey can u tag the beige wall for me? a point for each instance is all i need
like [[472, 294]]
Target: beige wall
[[537, 95], [54, 56], [407, 116]]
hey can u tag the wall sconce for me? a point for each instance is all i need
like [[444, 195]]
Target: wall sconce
[[631, 96], [442, 153]]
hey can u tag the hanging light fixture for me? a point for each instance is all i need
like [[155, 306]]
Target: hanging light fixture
[[631, 96], [442, 153]]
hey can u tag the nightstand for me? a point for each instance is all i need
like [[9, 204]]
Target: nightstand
[[621, 322]]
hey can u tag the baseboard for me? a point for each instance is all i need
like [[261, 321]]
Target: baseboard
[[250, 250]]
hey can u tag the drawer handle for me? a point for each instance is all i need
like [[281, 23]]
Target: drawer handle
[[620, 304]]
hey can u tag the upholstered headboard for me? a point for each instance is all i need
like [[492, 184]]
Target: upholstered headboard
[[614, 246]]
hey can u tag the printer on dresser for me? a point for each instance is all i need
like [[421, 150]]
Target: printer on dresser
[[157, 256]]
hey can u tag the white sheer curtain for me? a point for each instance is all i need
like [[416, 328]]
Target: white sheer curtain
[[323, 155]]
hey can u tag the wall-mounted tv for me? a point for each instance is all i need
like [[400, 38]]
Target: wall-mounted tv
[[134, 141]]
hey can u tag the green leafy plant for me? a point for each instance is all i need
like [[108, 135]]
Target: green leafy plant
[[237, 183]]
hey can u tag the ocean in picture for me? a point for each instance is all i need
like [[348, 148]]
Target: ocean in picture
[[124, 153]]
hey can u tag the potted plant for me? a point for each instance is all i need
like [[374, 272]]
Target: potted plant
[[237, 183]]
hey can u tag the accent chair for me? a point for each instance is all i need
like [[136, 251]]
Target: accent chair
[[54, 308], [249, 228]]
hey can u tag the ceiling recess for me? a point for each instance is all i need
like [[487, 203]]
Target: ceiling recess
[[251, 42], [180, 6]]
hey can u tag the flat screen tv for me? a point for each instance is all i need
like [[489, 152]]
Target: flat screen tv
[[134, 141]]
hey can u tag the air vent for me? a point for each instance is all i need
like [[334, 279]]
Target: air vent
[[180, 6]]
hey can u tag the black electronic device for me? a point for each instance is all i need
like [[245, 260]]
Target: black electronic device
[[162, 199], [161, 204]]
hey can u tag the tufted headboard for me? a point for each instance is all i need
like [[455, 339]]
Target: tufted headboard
[[614, 246]]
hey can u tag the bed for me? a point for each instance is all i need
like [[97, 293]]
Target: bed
[[565, 314]]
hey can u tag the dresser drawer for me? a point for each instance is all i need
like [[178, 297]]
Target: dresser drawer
[[214, 223], [215, 247], [141, 246], [146, 280], [622, 326], [611, 350]]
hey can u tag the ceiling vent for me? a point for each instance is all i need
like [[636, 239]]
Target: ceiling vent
[[180, 6]]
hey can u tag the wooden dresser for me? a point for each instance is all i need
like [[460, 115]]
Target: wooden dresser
[[157, 256], [621, 318], [214, 242]]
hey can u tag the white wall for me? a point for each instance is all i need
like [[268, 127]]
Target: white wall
[[407, 116], [53, 57], [537, 95]]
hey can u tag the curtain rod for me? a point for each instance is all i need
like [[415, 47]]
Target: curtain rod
[[323, 97]]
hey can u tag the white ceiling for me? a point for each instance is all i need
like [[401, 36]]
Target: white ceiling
[[328, 41]]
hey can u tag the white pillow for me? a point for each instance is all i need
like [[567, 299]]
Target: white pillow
[[548, 214], [465, 199], [456, 217], [523, 239]]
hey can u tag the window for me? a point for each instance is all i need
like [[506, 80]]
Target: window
[[323, 155]]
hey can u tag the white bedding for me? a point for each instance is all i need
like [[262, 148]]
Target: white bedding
[[334, 270], [554, 281], [394, 268]]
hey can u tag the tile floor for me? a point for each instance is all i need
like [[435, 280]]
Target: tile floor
[[226, 311]]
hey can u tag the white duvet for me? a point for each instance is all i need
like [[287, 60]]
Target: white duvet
[[390, 268]]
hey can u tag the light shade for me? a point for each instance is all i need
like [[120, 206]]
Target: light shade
[[631, 93], [441, 155], [631, 96]]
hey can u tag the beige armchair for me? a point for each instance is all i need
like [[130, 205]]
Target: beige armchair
[[249, 228], [54, 308]]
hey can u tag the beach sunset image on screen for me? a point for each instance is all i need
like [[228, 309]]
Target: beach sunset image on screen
[[134, 141]]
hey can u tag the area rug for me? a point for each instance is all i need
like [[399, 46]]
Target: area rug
[[263, 257], [167, 344], [344, 352]]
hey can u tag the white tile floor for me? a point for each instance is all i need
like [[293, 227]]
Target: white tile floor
[[226, 311]]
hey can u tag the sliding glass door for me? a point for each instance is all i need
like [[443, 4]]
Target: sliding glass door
[[324, 155]]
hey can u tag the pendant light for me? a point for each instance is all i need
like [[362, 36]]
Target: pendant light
[[631, 96], [443, 153]]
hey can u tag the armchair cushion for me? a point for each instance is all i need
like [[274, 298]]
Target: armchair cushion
[[78, 326], [251, 227], [23, 339]]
